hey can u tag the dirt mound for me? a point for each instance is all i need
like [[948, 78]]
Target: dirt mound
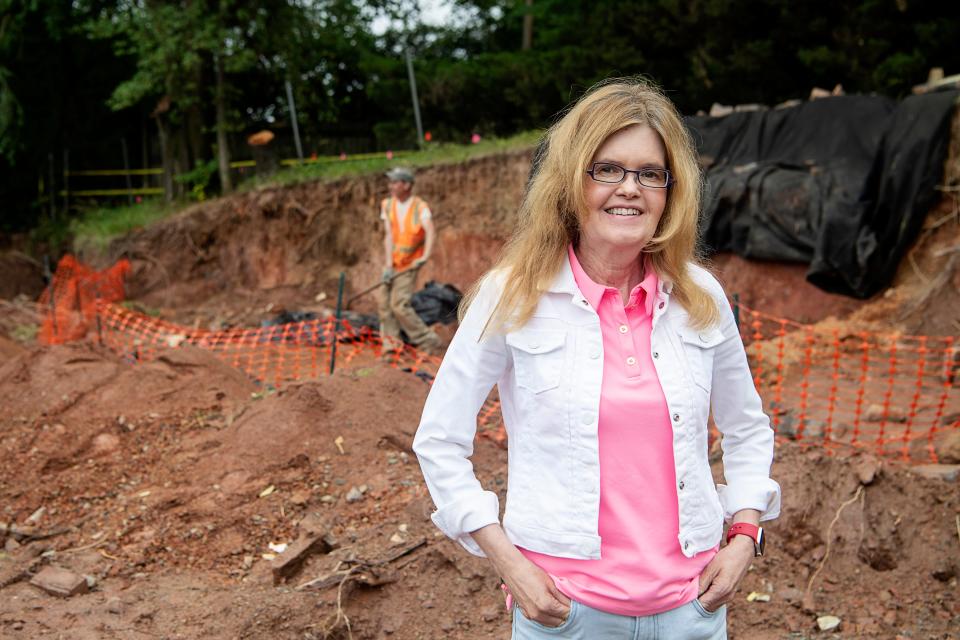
[[185, 494], [22, 275], [204, 481]]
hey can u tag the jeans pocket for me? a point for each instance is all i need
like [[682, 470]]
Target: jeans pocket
[[563, 626], [702, 610]]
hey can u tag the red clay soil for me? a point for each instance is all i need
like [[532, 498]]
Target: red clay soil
[[165, 483]]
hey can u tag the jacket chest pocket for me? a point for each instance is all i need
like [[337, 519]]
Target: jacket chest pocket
[[699, 348], [537, 358]]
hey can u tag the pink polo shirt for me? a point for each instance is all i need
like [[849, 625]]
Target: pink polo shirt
[[641, 570]]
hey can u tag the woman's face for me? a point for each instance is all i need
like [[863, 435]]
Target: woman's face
[[623, 217]]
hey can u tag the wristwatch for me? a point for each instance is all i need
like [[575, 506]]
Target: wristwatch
[[757, 534]]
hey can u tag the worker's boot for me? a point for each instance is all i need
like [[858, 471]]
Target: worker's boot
[[432, 344], [391, 348]]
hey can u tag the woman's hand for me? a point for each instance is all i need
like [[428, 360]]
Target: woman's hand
[[535, 593], [721, 577], [531, 587]]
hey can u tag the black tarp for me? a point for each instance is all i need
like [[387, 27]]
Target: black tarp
[[842, 184], [435, 302]]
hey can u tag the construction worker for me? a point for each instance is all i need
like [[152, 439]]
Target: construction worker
[[408, 240]]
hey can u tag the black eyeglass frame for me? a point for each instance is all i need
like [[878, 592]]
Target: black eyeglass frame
[[593, 167]]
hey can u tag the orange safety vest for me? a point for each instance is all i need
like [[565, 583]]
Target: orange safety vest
[[408, 245]]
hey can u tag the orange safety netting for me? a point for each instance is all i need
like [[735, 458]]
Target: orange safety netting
[[828, 384], [70, 300], [823, 385]]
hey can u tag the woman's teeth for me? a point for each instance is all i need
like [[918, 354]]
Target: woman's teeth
[[623, 211]]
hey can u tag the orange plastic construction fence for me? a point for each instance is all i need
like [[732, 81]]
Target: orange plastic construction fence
[[824, 385], [70, 300]]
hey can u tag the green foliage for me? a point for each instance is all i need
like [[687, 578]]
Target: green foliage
[[78, 76], [198, 180], [94, 229], [432, 154]]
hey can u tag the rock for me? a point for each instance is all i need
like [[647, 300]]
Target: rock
[[34, 517], [866, 468], [288, 563], [828, 623], [354, 495], [945, 572], [876, 413], [60, 582], [757, 596], [791, 594], [105, 443], [300, 496], [948, 449], [491, 614], [115, 606], [945, 472]]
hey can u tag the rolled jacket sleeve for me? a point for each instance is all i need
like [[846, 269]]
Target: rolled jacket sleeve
[[444, 440], [747, 437]]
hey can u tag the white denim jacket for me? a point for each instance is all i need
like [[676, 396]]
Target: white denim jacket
[[548, 373]]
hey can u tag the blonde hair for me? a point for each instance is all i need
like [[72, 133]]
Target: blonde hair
[[554, 206]]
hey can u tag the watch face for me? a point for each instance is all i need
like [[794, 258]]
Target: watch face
[[760, 542]]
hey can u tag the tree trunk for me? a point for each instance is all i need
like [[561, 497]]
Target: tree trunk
[[166, 158], [223, 153], [527, 27]]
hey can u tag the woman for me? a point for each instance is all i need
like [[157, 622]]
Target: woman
[[610, 347]]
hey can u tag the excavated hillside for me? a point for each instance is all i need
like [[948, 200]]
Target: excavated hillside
[[194, 502]]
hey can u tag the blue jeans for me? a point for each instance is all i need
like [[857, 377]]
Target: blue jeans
[[688, 622]]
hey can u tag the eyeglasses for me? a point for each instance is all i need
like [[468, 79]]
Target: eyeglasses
[[610, 173]]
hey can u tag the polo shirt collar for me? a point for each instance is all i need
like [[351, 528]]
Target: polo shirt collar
[[574, 280]]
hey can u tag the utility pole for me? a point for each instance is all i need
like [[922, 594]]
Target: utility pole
[[293, 120], [413, 95], [527, 27]]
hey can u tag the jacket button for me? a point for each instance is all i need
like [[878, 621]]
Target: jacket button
[[595, 354], [656, 354], [703, 338], [631, 361], [686, 545], [624, 328], [660, 306], [676, 417], [681, 485]]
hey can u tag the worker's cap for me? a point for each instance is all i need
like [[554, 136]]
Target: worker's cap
[[401, 174]]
